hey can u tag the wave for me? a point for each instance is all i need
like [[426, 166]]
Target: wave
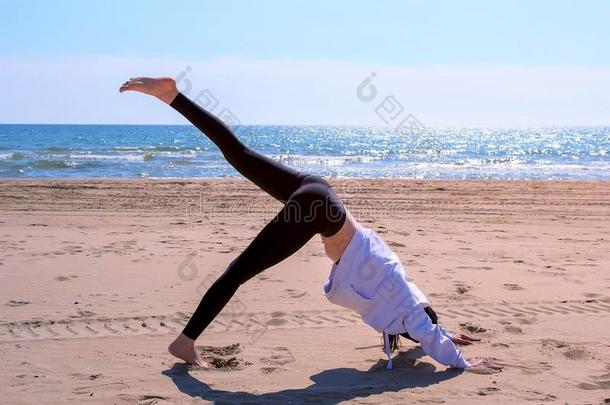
[[329, 160], [12, 156], [146, 149], [516, 166], [109, 157], [58, 149], [145, 156], [52, 164], [403, 159], [181, 162]]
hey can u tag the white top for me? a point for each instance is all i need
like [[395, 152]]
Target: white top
[[370, 280]]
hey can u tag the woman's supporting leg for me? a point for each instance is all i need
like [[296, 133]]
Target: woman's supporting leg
[[313, 208], [276, 179], [279, 239]]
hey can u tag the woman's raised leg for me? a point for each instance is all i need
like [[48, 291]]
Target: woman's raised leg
[[273, 177]]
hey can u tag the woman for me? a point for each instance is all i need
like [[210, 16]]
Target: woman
[[366, 276]]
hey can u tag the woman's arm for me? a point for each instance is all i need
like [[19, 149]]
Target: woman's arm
[[434, 340]]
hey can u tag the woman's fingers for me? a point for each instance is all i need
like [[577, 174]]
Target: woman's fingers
[[462, 342], [485, 363], [491, 364], [464, 336], [463, 339], [469, 338]]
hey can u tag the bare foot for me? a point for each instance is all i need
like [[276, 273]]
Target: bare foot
[[164, 88], [184, 349]]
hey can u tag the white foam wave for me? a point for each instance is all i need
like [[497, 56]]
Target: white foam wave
[[108, 157], [129, 156]]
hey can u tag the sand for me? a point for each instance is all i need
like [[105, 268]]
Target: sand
[[96, 277]]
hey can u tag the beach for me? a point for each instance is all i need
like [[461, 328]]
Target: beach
[[98, 276]]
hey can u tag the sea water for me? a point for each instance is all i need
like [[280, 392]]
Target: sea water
[[181, 151]]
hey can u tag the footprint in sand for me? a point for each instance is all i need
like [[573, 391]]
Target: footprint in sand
[[88, 390], [229, 350], [143, 399], [150, 399], [578, 354], [83, 314], [502, 345], [482, 370], [61, 278], [572, 353], [461, 289], [513, 329], [536, 396], [513, 287], [554, 344], [290, 293], [526, 321], [402, 233], [223, 357], [277, 319], [17, 303], [280, 356], [271, 370], [230, 364], [487, 391], [83, 376], [471, 327]]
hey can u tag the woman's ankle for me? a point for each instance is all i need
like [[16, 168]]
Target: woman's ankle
[[168, 97], [183, 341]]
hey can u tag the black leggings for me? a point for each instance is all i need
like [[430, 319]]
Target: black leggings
[[310, 207]]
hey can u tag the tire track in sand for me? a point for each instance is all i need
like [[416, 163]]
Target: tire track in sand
[[258, 322]]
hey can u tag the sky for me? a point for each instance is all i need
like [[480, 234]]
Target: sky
[[448, 63]]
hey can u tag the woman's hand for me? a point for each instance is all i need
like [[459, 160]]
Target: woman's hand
[[463, 339], [485, 364]]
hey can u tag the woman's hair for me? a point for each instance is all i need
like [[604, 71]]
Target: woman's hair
[[394, 343], [395, 339]]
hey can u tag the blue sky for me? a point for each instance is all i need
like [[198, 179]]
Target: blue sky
[[549, 59]]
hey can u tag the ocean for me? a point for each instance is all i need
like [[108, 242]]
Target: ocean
[[180, 151]]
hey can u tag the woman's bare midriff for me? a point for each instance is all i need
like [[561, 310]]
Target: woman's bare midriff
[[335, 245]]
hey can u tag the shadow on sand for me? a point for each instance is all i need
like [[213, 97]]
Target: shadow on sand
[[329, 386]]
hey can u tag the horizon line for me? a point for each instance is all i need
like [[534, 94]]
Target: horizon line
[[429, 127]]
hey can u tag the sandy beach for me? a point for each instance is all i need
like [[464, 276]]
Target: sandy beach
[[97, 276]]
